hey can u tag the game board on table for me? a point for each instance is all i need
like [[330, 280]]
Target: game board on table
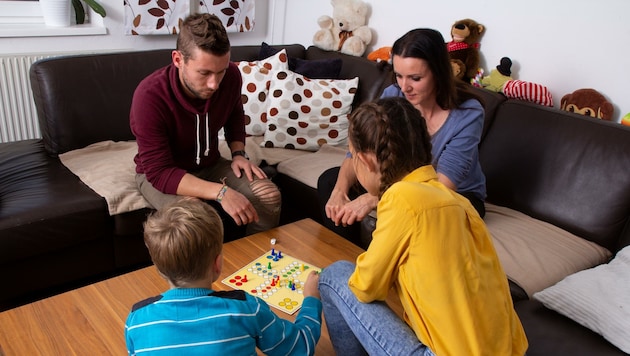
[[276, 278]]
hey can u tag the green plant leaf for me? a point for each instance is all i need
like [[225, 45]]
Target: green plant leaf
[[79, 11], [96, 7]]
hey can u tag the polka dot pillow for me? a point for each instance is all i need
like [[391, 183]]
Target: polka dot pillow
[[256, 79], [305, 113]]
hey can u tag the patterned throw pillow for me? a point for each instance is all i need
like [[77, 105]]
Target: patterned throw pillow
[[256, 79], [306, 113]]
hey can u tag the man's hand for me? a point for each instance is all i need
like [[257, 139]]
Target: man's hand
[[242, 164], [352, 210], [239, 207]]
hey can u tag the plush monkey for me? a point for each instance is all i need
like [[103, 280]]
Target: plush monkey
[[587, 102]]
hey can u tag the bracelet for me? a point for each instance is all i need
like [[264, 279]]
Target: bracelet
[[224, 189]]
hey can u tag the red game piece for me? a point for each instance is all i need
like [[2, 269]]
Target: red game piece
[[244, 278]]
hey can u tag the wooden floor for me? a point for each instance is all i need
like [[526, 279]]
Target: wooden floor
[[90, 320]]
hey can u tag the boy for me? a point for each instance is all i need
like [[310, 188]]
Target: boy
[[185, 243]]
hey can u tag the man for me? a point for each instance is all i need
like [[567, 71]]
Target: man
[[176, 114]]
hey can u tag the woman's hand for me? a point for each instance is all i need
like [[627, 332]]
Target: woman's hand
[[352, 211]]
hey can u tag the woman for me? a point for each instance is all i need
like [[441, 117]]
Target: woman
[[429, 244], [454, 117]]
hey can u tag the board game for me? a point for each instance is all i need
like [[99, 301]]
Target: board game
[[276, 278]]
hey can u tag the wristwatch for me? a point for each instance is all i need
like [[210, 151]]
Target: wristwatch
[[240, 153]]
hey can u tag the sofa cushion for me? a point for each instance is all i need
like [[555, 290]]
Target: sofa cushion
[[108, 168], [550, 333], [598, 298], [257, 77], [307, 113], [536, 254], [41, 202], [308, 168], [326, 68]]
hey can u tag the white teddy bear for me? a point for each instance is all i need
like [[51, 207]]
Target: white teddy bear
[[345, 31]]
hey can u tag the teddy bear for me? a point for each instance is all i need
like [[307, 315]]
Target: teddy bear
[[463, 49], [587, 102], [346, 30]]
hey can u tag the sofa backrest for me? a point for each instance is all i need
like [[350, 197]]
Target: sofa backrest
[[85, 99], [566, 169], [373, 77], [251, 52]]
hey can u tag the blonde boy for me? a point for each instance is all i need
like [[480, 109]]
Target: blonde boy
[[185, 243]]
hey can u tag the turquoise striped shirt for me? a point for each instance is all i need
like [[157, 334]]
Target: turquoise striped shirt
[[197, 321]]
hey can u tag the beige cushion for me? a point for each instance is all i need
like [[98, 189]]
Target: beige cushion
[[308, 168], [256, 80], [108, 168], [597, 298], [258, 154], [305, 113], [536, 254]]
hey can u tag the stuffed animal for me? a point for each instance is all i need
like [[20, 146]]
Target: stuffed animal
[[500, 80], [383, 54], [587, 102], [346, 30], [463, 49], [498, 76]]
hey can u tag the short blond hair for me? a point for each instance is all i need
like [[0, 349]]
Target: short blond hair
[[184, 239]]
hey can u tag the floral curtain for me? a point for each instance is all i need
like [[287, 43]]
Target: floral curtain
[[163, 17]]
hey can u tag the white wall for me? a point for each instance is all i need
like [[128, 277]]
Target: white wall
[[562, 44]]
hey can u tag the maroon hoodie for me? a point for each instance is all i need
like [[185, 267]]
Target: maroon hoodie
[[175, 133]]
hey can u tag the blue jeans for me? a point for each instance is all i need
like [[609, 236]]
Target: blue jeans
[[357, 328]]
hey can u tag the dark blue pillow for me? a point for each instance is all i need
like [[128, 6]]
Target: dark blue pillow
[[314, 69]]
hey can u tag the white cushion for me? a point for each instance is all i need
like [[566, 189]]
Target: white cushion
[[536, 254], [305, 113], [256, 80], [597, 298]]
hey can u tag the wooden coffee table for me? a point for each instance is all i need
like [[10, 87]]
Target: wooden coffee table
[[90, 320]]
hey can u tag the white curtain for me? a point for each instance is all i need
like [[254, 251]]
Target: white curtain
[[162, 17]]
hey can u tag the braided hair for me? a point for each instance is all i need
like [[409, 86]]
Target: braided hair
[[395, 132]]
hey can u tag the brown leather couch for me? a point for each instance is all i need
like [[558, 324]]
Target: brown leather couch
[[56, 233]]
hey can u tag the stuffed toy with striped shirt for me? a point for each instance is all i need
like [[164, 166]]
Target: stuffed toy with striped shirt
[[500, 80]]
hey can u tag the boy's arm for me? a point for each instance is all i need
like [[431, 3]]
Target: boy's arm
[[282, 337]]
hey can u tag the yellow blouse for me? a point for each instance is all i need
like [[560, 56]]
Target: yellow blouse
[[434, 248]]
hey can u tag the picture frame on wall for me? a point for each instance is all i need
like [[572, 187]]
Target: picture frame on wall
[[163, 17]]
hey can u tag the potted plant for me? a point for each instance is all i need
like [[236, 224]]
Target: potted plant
[[80, 10]]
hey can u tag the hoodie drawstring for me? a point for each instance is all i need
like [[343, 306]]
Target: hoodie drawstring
[[198, 159], [207, 151]]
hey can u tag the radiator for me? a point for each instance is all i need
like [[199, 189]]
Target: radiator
[[18, 116]]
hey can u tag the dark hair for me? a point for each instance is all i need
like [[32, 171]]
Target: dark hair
[[395, 131], [203, 31], [429, 45]]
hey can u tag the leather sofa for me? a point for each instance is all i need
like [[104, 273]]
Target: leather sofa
[[56, 233]]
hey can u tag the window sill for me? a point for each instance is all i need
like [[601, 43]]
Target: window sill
[[41, 30]]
